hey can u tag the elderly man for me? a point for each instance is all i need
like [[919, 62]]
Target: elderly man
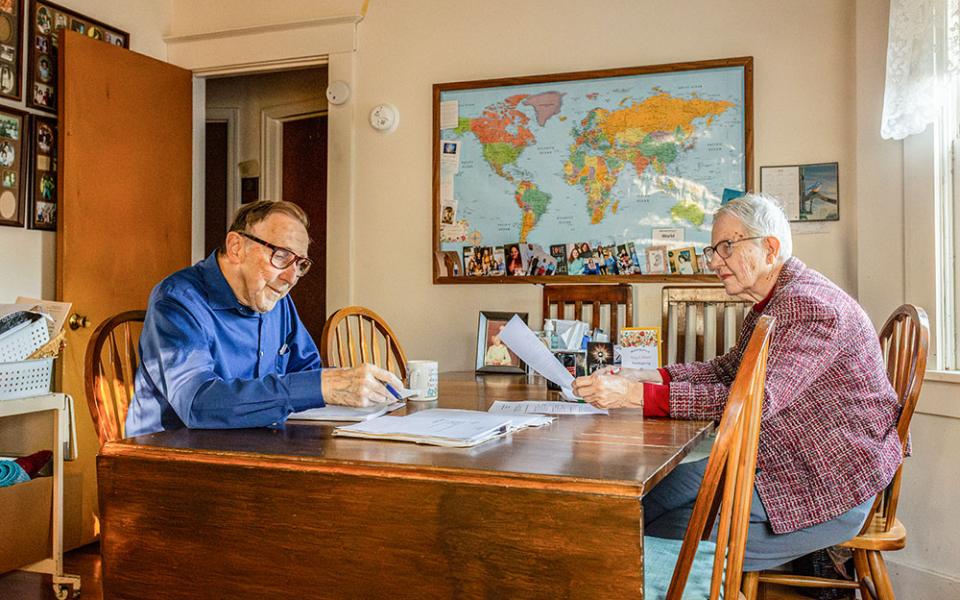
[[828, 437], [222, 345]]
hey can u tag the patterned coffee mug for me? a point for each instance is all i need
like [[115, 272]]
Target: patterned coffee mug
[[422, 376]]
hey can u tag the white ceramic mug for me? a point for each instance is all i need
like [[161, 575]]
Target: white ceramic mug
[[422, 376]]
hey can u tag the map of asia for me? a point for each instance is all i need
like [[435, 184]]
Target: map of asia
[[602, 162]]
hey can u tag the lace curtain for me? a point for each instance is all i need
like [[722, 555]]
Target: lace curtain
[[923, 54]]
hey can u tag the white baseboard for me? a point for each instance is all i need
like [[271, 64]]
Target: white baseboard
[[910, 583]]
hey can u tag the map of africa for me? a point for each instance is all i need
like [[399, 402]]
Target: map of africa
[[604, 160]]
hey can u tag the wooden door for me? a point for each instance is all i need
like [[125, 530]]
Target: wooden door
[[305, 182], [125, 211], [216, 168]]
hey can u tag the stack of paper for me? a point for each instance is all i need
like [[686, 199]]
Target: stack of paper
[[333, 412], [541, 407], [518, 421], [441, 427]]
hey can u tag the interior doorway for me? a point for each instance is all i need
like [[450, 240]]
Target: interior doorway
[[304, 181], [276, 147]]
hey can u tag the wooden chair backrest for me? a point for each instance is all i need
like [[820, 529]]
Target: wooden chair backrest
[[699, 323], [595, 297], [728, 481], [354, 329], [110, 366], [904, 339]]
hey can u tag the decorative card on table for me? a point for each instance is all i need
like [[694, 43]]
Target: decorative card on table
[[599, 355], [640, 347]]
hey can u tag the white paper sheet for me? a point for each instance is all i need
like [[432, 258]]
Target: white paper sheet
[[518, 337], [332, 412], [449, 114], [517, 420], [58, 311], [541, 407], [783, 183]]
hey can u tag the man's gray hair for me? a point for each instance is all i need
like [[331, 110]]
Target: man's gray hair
[[761, 215]]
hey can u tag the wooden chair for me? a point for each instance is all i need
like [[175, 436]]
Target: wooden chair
[[355, 326], [727, 487], [109, 368], [699, 323], [903, 340], [594, 296]]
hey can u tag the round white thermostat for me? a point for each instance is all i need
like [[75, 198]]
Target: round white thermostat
[[338, 92], [384, 117]]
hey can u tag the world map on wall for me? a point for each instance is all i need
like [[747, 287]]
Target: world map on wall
[[605, 160]]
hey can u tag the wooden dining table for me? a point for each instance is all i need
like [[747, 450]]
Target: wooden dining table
[[295, 512]]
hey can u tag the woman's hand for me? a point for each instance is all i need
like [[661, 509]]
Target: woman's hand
[[606, 390], [650, 375]]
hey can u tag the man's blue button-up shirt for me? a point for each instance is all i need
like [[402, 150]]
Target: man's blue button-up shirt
[[207, 361]]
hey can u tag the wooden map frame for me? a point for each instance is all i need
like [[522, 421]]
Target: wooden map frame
[[746, 63]]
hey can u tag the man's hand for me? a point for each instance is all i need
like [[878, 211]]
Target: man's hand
[[605, 390], [358, 386]]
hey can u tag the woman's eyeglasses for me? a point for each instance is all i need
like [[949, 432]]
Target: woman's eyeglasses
[[282, 258], [725, 248]]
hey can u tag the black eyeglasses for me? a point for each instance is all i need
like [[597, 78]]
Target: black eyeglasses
[[725, 248], [281, 257]]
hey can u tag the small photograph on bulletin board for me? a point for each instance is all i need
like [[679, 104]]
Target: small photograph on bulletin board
[[808, 192], [46, 19]]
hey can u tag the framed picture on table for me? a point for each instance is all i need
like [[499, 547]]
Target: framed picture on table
[[43, 184], [493, 356], [13, 161], [46, 20]]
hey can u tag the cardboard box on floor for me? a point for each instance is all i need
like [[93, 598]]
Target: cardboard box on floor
[[25, 508], [25, 526]]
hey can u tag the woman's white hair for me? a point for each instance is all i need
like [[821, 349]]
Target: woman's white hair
[[761, 215]]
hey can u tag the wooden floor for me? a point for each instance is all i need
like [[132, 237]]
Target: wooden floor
[[85, 562]]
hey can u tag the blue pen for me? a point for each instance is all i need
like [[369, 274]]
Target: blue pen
[[393, 391]]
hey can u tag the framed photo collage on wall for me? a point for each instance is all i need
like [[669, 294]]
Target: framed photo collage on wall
[[28, 120]]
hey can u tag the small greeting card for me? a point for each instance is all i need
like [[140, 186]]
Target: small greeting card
[[640, 347]]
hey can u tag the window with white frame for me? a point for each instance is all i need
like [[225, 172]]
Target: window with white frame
[[922, 88]]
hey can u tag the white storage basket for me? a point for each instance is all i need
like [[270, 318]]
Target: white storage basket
[[25, 378], [21, 341]]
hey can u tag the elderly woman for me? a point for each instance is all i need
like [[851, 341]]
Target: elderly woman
[[828, 438]]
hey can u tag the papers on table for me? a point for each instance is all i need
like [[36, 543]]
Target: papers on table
[[518, 337], [537, 407], [517, 420], [438, 431], [441, 427], [333, 412]]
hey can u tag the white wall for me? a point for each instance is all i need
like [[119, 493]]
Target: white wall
[[27, 258], [804, 88]]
